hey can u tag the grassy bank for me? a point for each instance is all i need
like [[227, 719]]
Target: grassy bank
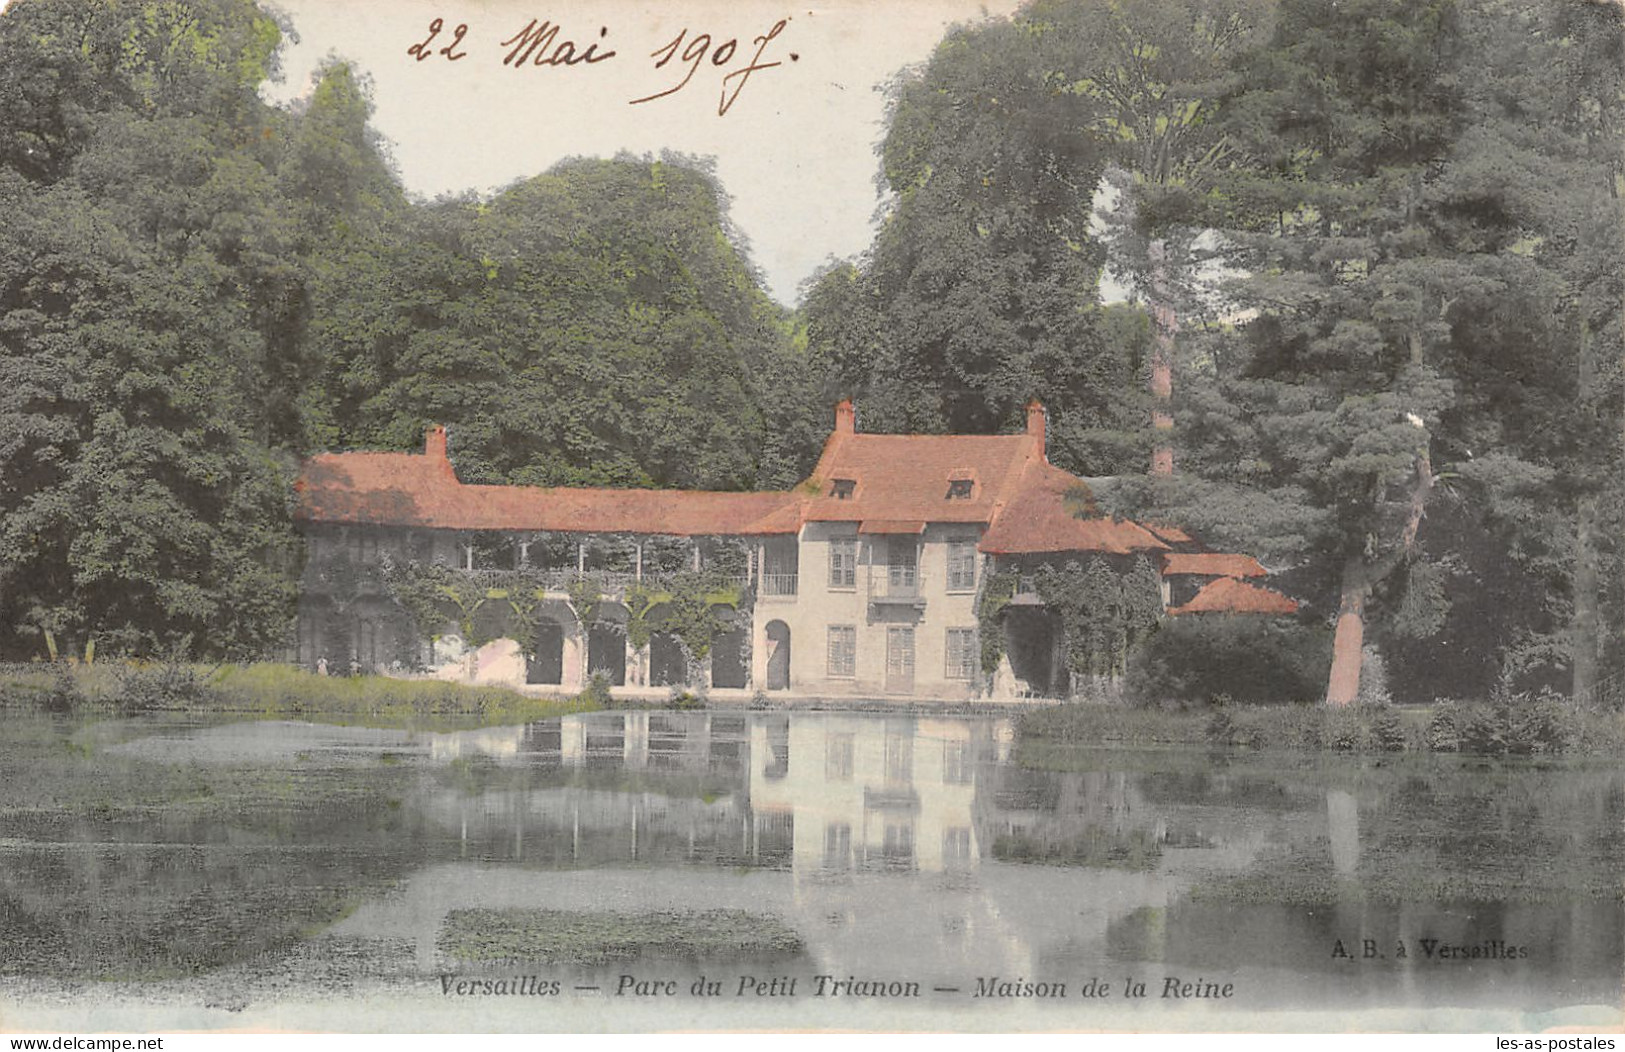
[[1521, 726], [128, 867], [559, 937], [271, 691]]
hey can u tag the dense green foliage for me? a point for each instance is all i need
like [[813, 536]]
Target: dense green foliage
[[1428, 233], [1414, 405], [590, 326], [197, 288], [1202, 660], [981, 290]]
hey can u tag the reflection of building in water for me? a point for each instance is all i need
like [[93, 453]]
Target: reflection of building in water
[[908, 844], [891, 793]]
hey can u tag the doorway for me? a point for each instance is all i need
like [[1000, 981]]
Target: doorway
[[900, 659]]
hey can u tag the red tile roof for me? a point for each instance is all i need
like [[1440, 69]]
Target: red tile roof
[[891, 526], [905, 477], [1229, 595], [1050, 510], [1171, 534], [901, 483], [408, 489], [1211, 564]]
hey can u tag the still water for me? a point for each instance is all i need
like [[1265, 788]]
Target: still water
[[941, 858]]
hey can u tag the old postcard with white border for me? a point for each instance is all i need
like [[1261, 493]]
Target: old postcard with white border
[[707, 515]]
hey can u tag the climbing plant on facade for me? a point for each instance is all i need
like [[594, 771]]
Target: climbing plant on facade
[[997, 591]]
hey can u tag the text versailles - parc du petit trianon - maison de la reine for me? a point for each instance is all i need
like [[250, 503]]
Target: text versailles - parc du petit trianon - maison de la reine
[[863, 582]]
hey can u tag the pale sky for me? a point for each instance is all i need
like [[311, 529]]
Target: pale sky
[[796, 149]]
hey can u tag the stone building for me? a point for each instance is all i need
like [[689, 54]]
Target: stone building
[[866, 580]]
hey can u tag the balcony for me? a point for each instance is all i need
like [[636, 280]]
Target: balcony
[[895, 586], [778, 586], [608, 582], [1026, 592]]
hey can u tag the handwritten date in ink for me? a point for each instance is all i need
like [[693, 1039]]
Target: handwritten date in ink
[[424, 48], [701, 47], [542, 43]]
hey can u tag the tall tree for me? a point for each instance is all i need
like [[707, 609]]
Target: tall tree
[[1408, 251], [980, 291], [1155, 71], [142, 504], [593, 325]]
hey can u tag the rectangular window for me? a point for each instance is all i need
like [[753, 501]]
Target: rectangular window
[[843, 651], [960, 489], [838, 751], [843, 562], [961, 566], [899, 758], [961, 653], [897, 843], [842, 489], [903, 555], [837, 846]]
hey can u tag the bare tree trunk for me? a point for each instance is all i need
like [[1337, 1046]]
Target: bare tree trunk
[[1348, 642], [1164, 329], [1583, 639], [1583, 627], [1359, 578]]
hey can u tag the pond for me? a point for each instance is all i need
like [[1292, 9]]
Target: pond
[[657, 869]]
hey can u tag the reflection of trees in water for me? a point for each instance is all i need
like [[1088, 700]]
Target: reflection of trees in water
[[129, 895], [270, 855]]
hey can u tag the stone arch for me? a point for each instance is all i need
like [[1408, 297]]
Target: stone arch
[[606, 642], [668, 660], [1033, 640], [495, 619], [544, 660], [778, 655], [315, 611], [556, 647], [378, 636], [730, 653]]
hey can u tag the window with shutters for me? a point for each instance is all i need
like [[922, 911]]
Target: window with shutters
[[961, 566], [961, 653], [838, 753], [843, 651], [843, 562]]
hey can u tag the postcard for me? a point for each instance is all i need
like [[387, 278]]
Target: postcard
[[947, 515]]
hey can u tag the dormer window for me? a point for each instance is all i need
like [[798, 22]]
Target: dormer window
[[960, 489], [842, 489]]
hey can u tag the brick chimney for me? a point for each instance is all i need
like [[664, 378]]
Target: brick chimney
[[434, 443], [846, 418], [1038, 423]]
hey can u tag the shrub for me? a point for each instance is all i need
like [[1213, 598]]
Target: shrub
[[1444, 733], [63, 695], [165, 684], [1197, 658], [1343, 729], [597, 692], [684, 700], [1484, 731], [1386, 731], [1541, 723]]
